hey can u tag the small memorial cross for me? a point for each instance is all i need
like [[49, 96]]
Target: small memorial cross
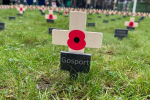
[[76, 38], [21, 9], [65, 13], [42, 9], [50, 18], [131, 24]]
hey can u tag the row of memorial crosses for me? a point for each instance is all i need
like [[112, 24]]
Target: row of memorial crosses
[[43, 8]]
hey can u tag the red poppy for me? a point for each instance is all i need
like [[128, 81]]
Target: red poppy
[[51, 16], [20, 9], [65, 12], [43, 8], [131, 24], [76, 40]]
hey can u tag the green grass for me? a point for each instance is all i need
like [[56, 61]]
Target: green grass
[[29, 62]]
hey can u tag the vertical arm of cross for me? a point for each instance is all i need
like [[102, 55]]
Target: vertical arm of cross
[[77, 22]]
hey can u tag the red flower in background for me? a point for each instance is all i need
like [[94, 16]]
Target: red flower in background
[[76, 40], [20, 9], [66, 12], [43, 8], [51, 16], [131, 24]]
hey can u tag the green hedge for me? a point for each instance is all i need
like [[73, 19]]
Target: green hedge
[[139, 8]]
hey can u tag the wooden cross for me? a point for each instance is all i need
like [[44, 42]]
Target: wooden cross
[[131, 23], [51, 16], [66, 12], [141, 15], [77, 26], [146, 14], [21, 9], [97, 11], [42, 8], [59, 9], [107, 12], [31, 7], [137, 14], [102, 11], [93, 11]]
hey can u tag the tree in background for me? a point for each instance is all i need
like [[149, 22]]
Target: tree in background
[[147, 3]]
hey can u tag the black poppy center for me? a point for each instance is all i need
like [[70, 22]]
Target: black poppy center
[[76, 40]]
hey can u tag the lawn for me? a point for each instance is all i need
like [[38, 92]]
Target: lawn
[[29, 62]]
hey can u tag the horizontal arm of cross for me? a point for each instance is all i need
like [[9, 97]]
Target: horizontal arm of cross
[[135, 24], [93, 39], [47, 16]]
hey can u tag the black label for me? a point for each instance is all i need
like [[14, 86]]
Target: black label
[[60, 13], [124, 16], [91, 24], [105, 21], [130, 28], [65, 16], [141, 18], [89, 18], [51, 28], [113, 19], [50, 21], [11, 17], [2, 26], [107, 15], [99, 16], [119, 18], [42, 13], [137, 21], [76, 62], [112, 14], [120, 33], [19, 14], [90, 13]]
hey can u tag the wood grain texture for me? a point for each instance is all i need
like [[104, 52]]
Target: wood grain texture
[[77, 21]]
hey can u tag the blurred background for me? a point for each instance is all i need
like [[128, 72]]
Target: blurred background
[[120, 5]]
